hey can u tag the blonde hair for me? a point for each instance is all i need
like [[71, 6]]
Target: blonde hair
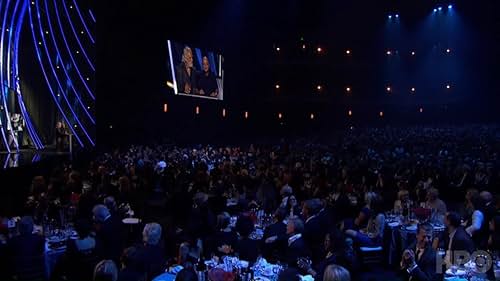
[[336, 273], [184, 53]]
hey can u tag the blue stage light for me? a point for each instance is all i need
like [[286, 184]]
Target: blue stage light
[[450, 6], [390, 17], [397, 16], [435, 10], [440, 8]]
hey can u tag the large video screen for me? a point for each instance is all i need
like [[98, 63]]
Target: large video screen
[[195, 72]]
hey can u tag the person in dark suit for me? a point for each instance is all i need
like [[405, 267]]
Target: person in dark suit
[[207, 83], [186, 73], [275, 239], [223, 236], [150, 254], [337, 252], [455, 238], [247, 248], [297, 246], [108, 234], [419, 260], [26, 250], [131, 269], [313, 230]]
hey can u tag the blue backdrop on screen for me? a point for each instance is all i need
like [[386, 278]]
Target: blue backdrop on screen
[[195, 72]]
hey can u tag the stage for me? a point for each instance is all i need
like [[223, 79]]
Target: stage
[[25, 157]]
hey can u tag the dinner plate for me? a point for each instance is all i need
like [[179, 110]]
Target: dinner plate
[[130, 220], [459, 272]]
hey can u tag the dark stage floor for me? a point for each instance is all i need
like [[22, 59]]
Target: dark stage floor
[[28, 156]]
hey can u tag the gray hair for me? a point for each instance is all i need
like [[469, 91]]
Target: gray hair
[[184, 53], [298, 225], [336, 273], [106, 270], [151, 234], [100, 212]]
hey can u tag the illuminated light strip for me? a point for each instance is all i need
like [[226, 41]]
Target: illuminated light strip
[[172, 66], [57, 78], [70, 53], [83, 22], [1, 125], [47, 78], [76, 35], [13, 16], [64, 68], [2, 83], [92, 15], [31, 130]]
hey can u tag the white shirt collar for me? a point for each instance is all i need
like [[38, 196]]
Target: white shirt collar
[[310, 218], [293, 238]]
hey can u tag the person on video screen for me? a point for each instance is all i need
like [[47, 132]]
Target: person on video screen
[[207, 84], [186, 73]]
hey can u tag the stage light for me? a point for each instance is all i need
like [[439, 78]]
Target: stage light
[[32, 2], [111, 126], [88, 107], [57, 66], [440, 8], [421, 110], [223, 112], [448, 50], [7, 29], [450, 6], [397, 16], [71, 7], [58, 95], [170, 85], [319, 49], [197, 110], [75, 125], [165, 107], [388, 89], [348, 52], [278, 49], [46, 32], [311, 116], [413, 89], [412, 53], [303, 46], [349, 113], [381, 114], [77, 52], [246, 114], [435, 10], [348, 89], [448, 86], [280, 115], [81, 32], [388, 52], [318, 87], [277, 86], [88, 79], [390, 16], [39, 43]]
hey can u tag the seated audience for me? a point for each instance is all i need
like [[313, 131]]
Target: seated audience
[[106, 270]]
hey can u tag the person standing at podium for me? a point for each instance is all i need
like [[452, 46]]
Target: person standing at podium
[[60, 136]]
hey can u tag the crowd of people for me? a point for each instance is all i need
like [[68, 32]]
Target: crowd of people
[[327, 201]]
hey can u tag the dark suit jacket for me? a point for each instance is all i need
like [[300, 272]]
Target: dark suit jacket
[[296, 250], [183, 78], [109, 240], [248, 249], [152, 259], [27, 246], [274, 249], [314, 235], [461, 241], [426, 269]]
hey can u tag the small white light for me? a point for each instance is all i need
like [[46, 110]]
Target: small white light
[[75, 126], [278, 49], [111, 126], [58, 95], [39, 43], [81, 32], [71, 7], [348, 52], [388, 89], [7, 29], [303, 46], [77, 52], [448, 86], [319, 49], [57, 66], [318, 87], [277, 86], [88, 107], [88, 79], [421, 110], [388, 52], [46, 32], [412, 53], [348, 89], [312, 116], [413, 89]]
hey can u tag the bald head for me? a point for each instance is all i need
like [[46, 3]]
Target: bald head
[[486, 196]]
